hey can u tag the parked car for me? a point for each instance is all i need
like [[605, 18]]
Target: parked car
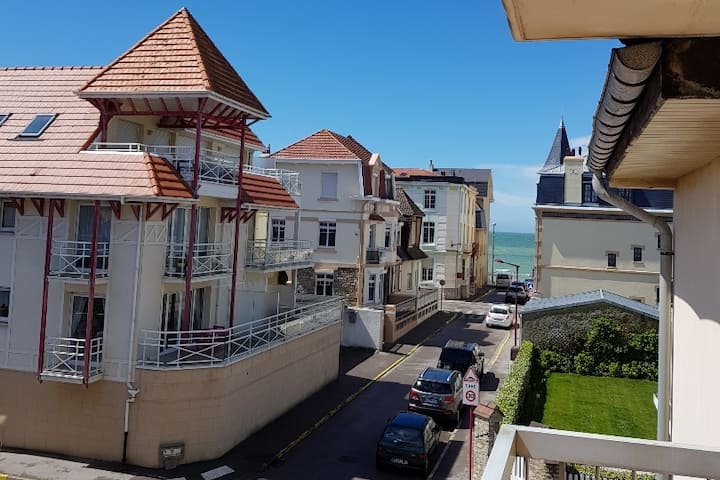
[[529, 286], [514, 291], [499, 316], [458, 355], [502, 280], [437, 392], [409, 440]]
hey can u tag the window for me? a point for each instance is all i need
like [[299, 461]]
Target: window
[[409, 280], [429, 199], [278, 230], [4, 304], [637, 254], [657, 295], [463, 269], [589, 195], [388, 236], [612, 260], [37, 125], [7, 216], [327, 234], [324, 284], [429, 232], [329, 185], [658, 241], [3, 117], [427, 273], [372, 282]]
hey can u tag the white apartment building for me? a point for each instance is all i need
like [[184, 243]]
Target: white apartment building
[[146, 292], [350, 217], [448, 228]]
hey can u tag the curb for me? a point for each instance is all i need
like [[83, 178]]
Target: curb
[[278, 456]]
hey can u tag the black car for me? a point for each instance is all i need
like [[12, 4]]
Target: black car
[[458, 355], [437, 393], [409, 440], [514, 291]]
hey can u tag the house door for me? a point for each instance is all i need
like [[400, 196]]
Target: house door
[[171, 308], [78, 316]]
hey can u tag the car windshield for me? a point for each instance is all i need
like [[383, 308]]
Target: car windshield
[[500, 310], [455, 356], [403, 438], [432, 387]]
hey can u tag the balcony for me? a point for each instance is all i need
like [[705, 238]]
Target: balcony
[[221, 346], [265, 255], [208, 259], [64, 359], [375, 256], [215, 167], [516, 447], [71, 259]]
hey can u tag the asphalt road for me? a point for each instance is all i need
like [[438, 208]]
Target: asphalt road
[[344, 447]]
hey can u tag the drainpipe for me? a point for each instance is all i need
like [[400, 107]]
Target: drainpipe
[[665, 320], [132, 390]]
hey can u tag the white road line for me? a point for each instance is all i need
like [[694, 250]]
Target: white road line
[[442, 455], [217, 473]]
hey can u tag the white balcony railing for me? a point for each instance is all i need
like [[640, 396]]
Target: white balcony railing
[[208, 259], [64, 358], [632, 455], [267, 255], [221, 346], [71, 259], [215, 167]]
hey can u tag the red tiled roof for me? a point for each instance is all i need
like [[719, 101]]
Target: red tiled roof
[[410, 172], [266, 191], [178, 56], [251, 139], [325, 145], [52, 163]]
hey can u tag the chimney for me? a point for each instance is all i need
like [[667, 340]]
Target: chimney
[[579, 151], [432, 167], [573, 179]]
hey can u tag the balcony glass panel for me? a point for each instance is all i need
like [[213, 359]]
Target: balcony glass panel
[[264, 255], [208, 259]]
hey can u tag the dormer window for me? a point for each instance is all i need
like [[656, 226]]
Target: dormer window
[[3, 117], [37, 125]]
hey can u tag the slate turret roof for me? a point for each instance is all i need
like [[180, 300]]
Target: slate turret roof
[[560, 149]]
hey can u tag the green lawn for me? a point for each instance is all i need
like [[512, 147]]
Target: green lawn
[[614, 406]]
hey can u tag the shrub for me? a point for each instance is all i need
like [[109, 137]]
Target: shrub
[[605, 340], [555, 362], [607, 474], [584, 364], [511, 393], [632, 369], [614, 369]]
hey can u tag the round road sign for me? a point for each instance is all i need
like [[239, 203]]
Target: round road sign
[[470, 396]]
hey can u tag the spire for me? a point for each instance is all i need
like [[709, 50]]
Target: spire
[[560, 149]]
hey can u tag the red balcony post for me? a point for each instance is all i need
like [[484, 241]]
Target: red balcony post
[[238, 204], [87, 351], [46, 273]]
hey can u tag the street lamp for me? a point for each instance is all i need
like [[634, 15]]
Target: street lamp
[[492, 265], [517, 275]]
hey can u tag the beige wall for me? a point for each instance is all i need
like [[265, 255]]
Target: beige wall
[[695, 415], [211, 410]]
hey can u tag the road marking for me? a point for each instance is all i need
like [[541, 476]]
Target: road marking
[[442, 454], [352, 397], [499, 350], [217, 473]]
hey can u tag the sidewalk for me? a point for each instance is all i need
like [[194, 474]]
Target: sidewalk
[[358, 369]]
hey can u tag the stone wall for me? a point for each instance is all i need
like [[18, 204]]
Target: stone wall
[[306, 281], [346, 284], [565, 330]]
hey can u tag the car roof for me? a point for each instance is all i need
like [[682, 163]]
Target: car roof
[[436, 375], [409, 419], [459, 345], [499, 305]]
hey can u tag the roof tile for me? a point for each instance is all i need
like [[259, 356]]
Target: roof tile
[[325, 145]]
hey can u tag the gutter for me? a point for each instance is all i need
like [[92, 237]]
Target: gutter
[[629, 71]]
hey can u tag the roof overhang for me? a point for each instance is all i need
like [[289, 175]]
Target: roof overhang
[[674, 128], [563, 19]]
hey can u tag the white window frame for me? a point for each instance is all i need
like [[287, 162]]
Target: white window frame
[[6, 318], [427, 274], [329, 227], [430, 226], [430, 199], [277, 230], [36, 134], [324, 281], [637, 248], [615, 254], [388, 236], [326, 191], [372, 285], [7, 204]]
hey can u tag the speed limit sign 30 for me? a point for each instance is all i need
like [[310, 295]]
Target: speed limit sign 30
[[471, 388]]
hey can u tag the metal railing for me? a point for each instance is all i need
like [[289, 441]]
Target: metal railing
[[65, 357], [73, 259], [265, 255], [631, 455], [221, 346], [374, 255], [215, 167], [208, 259]]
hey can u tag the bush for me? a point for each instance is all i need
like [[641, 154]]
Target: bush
[[555, 362], [614, 369], [511, 393], [584, 364], [607, 474]]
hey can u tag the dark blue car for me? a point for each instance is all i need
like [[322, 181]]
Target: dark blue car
[[410, 441]]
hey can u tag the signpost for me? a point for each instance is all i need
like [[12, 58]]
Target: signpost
[[471, 398]]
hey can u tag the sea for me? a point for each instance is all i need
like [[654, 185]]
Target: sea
[[517, 248]]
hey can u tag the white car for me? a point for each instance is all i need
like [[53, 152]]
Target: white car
[[499, 316]]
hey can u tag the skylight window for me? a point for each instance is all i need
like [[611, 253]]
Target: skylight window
[[3, 117], [37, 125]]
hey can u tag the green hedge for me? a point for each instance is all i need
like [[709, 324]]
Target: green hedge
[[511, 394], [607, 474]]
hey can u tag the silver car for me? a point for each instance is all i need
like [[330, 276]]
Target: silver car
[[438, 393]]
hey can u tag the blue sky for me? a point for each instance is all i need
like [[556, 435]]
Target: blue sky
[[412, 80]]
